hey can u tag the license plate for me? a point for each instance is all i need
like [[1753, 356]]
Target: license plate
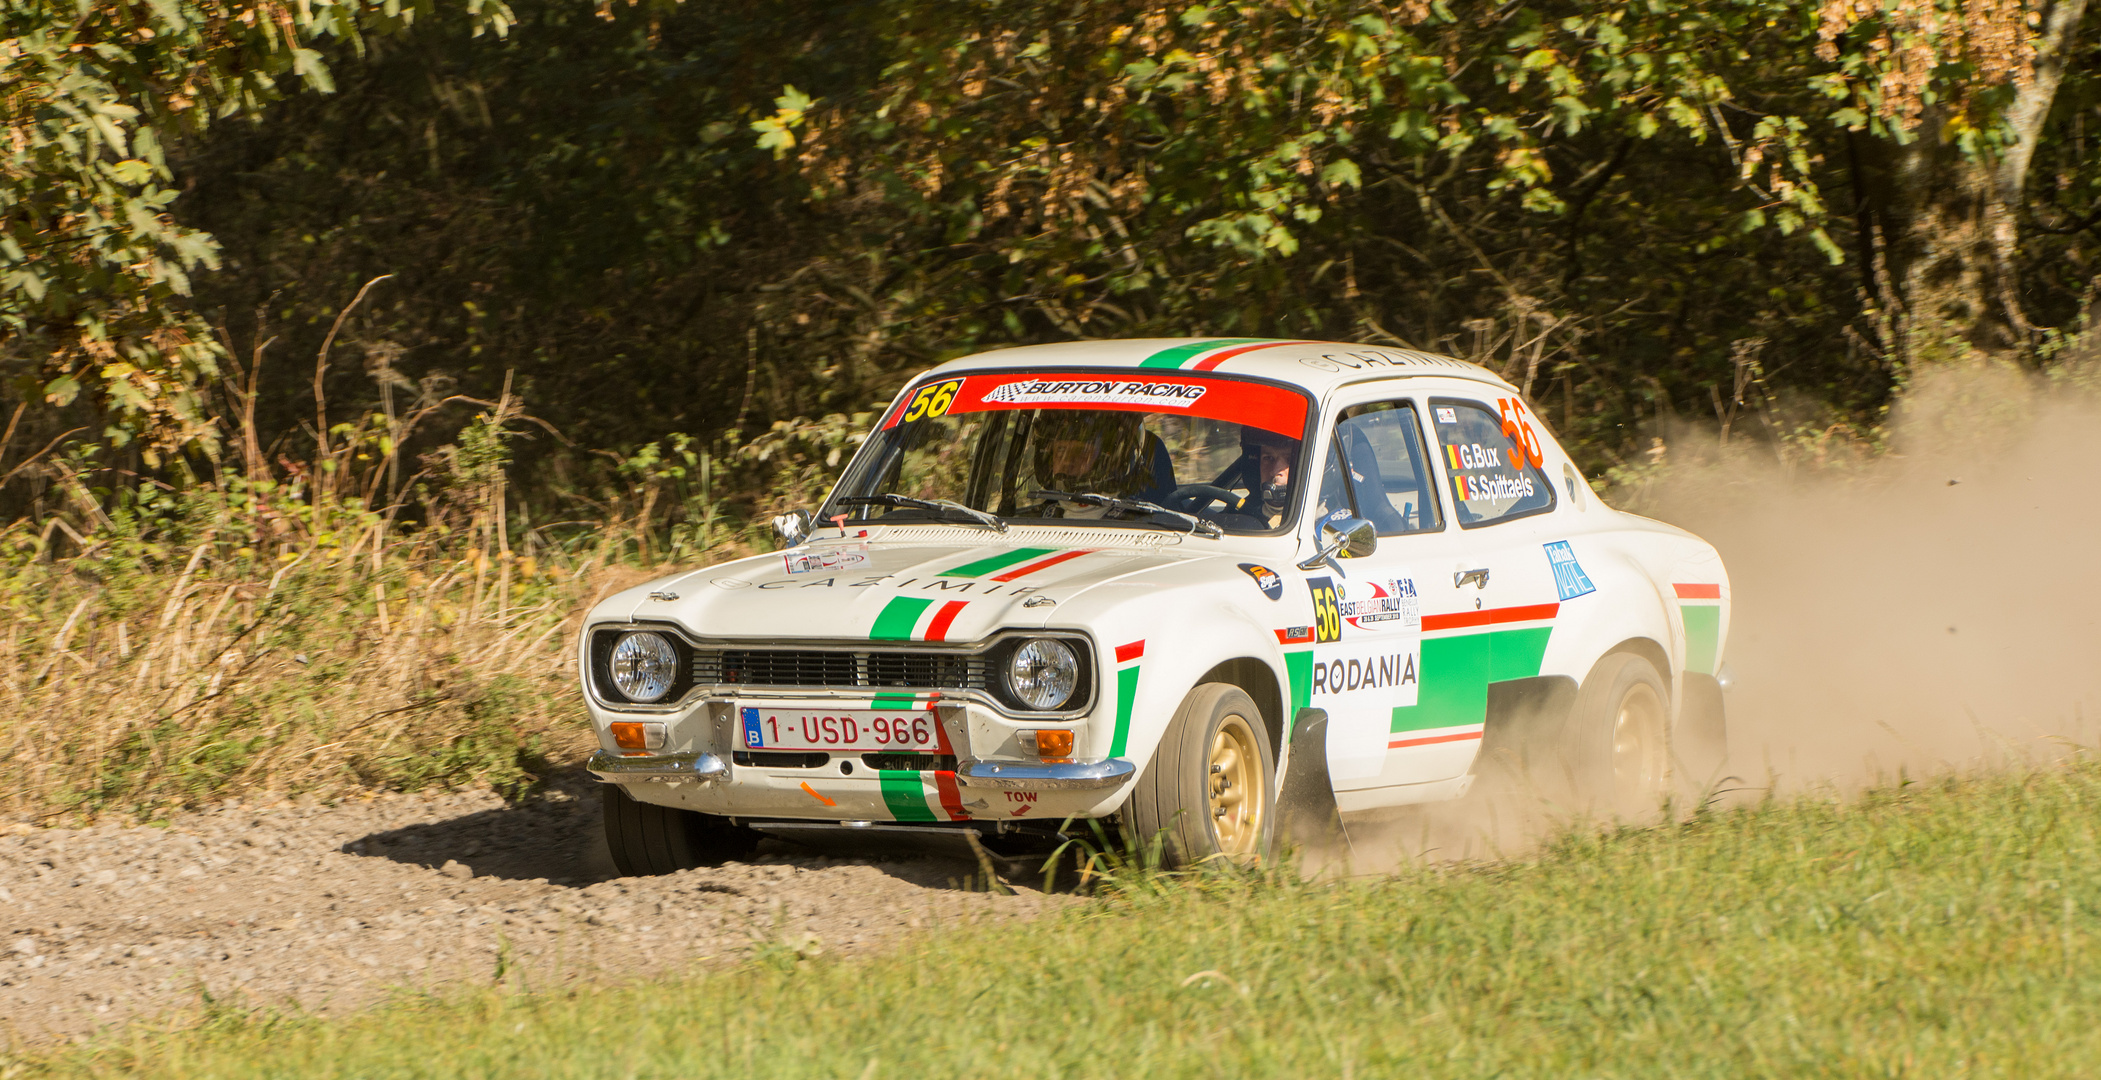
[[844, 730]]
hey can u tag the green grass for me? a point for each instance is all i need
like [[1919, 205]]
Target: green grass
[[1930, 930]]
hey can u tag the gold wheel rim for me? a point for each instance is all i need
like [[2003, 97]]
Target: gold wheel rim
[[1640, 758], [1239, 801]]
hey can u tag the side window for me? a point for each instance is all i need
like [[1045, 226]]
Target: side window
[[1379, 449], [1493, 461]]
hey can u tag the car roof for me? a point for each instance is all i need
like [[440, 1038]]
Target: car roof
[[1317, 366]]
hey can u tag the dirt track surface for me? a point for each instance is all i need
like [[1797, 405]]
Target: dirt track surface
[[327, 907]]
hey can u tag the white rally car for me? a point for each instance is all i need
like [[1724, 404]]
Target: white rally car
[[1145, 580]]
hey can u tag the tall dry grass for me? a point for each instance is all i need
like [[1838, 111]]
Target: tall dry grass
[[319, 627], [132, 686]]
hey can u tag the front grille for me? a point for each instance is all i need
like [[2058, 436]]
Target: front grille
[[815, 668], [910, 762], [780, 759]]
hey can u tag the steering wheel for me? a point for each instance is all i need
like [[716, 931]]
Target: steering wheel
[[1197, 499]]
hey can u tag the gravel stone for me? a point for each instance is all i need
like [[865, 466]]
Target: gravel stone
[[328, 908]]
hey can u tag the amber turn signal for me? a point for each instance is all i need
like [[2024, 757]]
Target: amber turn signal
[[636, 735], [1048, 745]]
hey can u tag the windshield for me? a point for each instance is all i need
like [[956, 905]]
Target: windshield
[[1110, 449]]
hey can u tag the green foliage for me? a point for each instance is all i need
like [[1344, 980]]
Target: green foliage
[[1939, 928], [672, 221], [91, 257]]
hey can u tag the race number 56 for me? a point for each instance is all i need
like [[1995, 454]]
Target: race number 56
[[932, 400], [1518, 429], [1327, 609]]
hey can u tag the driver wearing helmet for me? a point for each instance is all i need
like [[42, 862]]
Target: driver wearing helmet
[[1271, 456], [1092, 453]]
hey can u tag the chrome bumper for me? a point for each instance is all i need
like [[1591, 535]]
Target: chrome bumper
[[1001, 775], [1033, 776], [617, 769]]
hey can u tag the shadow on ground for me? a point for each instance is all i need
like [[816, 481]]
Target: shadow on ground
[[557, 836]]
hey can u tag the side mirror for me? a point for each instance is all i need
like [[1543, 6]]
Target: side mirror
[[793, 527], [1343, 537], [1350, 537]]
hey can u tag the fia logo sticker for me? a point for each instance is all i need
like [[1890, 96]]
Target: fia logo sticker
[[1569, 579], [1266, 579]]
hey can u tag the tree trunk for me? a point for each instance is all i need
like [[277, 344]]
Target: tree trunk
[[1947, 223]]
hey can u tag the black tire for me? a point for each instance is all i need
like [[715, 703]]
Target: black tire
[[650, 839], [1177, 798], [1618, 742]]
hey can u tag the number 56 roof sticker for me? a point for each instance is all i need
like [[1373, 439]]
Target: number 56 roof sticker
[[1267, 406]]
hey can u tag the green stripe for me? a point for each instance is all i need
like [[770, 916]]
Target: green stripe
[[1126, 693], [898, 617], [1181, 354], [891, 701], [997, 562], [1298, 666], [904, 794], [1703, 636], [1456, 672]]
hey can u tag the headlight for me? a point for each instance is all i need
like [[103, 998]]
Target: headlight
[[1043, 673], [644, 666]]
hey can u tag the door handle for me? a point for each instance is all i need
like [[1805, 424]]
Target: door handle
[[1478, 577]]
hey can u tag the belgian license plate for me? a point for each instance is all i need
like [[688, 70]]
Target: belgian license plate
[[854, 730]]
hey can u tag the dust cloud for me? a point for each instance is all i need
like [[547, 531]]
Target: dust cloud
[[1935, 608], [1932, 609]]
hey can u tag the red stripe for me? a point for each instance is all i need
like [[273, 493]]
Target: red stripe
[[951, 799], [1286, 637], [933, 708], [1127, 653], [1530, 613], [1461, 737], [1026, 569], [1698, 592], [1216, 359], [938, 629]]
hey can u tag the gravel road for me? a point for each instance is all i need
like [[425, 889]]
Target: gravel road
[[327, 907]]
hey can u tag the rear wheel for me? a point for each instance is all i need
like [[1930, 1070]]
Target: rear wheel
[[1211, 786], [649, 839], [1619, 745]]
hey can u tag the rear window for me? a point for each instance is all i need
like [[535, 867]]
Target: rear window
[[1491, 460]]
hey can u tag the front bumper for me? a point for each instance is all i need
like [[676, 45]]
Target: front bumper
[[667, 768], [1045, 776], [995, 775]]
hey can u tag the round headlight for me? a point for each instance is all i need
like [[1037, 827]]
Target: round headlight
[[1043, 673], [644, 666]]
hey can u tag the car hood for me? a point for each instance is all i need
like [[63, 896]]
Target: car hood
[[960, 586]]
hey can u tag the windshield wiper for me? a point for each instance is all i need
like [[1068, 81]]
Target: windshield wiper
[[1197, 526], [891, 498]]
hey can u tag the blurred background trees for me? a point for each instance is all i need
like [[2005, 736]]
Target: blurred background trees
[[653, 244]]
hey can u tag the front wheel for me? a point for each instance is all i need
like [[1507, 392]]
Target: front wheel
[[1211, 785], [649, 839], [1619, 737]]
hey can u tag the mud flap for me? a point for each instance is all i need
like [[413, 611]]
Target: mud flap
[[1702, 737], [1306, 814], [1521, 742]]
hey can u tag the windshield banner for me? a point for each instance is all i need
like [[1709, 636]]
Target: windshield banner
[[1272, 408]]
